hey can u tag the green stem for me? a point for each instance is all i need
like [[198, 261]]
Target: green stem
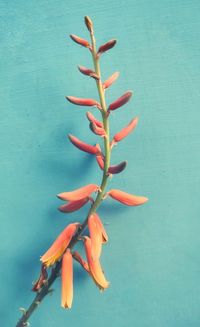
[[56, 270]]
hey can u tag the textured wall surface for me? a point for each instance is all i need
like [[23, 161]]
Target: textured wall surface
[[153, 257]]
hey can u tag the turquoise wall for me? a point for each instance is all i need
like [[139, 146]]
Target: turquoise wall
[[153, 257]]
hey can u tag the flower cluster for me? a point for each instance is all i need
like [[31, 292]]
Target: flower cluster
[[62, 248]]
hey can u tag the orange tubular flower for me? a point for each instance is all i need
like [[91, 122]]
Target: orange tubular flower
[[67, 280], [126, 198], [83, 101], [55, 252], [79, 194], [95, 236], [101, 227], [94, 266], [82, 262], [73, 205]]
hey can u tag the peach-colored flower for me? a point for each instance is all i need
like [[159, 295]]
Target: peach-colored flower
[[94, 266], [67, 280], [101, 227], [120, 101], [126, 198], [83, 146], [79, 194], [73, 205], [95, 236], [55, 252], [110, 80]]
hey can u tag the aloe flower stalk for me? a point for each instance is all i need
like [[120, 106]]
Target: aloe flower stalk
[[58, 259]]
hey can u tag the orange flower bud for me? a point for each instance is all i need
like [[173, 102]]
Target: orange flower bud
[[92, 119], [116, 169], [125, 131], [120, 101], [83, 146], [100, 161], [73, 205], [88, 23], [96, 236], [105, 47], [83, 102], [126, 198], [55, 252], [80, 41], [79, 194], [94, 266], [82, 262], [110, 80], [67, 280], [88, 72]]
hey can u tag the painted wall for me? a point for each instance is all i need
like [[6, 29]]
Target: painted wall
[[153, 258]]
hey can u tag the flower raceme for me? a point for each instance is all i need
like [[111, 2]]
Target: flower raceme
[[55, 252]]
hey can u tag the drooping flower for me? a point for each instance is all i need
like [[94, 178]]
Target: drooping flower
[[94, 266], [95, 236], [82, 145], [110, 80], [126, 198], [101, 227], [55, 252], [125, 131], [73, 205], [79, 194], [120, 101], [67, 280]]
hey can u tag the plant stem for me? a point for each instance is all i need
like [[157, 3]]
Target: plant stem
[[56, 270]]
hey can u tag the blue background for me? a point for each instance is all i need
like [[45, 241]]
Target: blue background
[[153, 257]]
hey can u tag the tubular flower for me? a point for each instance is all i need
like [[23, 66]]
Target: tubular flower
[[82, 262], [79, 194], [110, 80], [116, 169], [80, 41], [55, 252], [73, 205], [67, 280], [125, 131], [83, 101], [92, 119], [94, 266], [120, 101], [101, 227], [126, 198], [83, 146], [105, 47], [95, 236], [88, 72]]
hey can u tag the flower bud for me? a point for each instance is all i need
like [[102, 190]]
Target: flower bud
[[83, 146], [73, 205], [88, 23], [126, 198], [80, 41], [83, 102], [88, 72], [92, 119], [125, 131], [120, 101], [110, 80], [79, 194], [97, 130], [105, 47], [116, 169]]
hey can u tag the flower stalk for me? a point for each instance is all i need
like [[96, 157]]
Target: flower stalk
[[59, 257]]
